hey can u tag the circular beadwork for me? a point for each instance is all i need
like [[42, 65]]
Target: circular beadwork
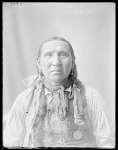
[[77, 134]]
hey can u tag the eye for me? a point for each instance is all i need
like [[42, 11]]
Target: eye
[[48, 54], [63, 54]]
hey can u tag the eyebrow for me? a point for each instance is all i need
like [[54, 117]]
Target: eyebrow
[[64, 50], [60, 51]]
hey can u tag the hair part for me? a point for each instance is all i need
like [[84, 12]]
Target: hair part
[[74, 69], [59, 39]]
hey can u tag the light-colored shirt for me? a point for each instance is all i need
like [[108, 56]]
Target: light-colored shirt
[[15, 128]]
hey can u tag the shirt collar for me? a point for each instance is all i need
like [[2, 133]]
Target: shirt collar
[[48, 92]]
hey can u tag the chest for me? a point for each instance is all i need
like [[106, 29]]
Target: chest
[[55, 132]]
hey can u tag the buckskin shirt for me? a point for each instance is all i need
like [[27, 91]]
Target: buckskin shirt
[[50, 131]]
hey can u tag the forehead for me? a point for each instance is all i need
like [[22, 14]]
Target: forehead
[[55, 45]]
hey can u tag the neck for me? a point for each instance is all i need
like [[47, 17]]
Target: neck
[[51, 86], [56, 83]]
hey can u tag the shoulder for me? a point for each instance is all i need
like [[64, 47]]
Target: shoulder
[[91, 91], [23, 98], [25, 94], [94, 98]]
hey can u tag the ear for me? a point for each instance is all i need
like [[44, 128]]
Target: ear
[[73, 65], [73, 62], [38, 62]]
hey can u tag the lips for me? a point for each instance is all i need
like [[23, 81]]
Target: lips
[[56, 70]]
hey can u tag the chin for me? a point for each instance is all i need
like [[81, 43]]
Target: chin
[[57, 79]]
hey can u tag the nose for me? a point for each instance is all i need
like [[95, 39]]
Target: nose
[[56, 60]]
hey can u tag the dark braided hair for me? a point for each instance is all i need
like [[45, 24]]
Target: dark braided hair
[[74, 71]]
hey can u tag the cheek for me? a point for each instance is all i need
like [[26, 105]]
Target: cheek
[[44, 65], [68, 66]]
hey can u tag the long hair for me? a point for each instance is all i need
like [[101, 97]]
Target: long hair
[[74, 74], [71, 50]]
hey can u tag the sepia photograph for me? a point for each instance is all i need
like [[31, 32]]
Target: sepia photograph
[[58, 74]]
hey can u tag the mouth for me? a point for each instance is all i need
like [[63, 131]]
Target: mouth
[[57, 71]]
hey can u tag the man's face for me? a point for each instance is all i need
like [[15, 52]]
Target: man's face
[[55, 61]]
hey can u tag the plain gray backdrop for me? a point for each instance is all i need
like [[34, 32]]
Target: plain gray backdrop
[[89, 27]]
